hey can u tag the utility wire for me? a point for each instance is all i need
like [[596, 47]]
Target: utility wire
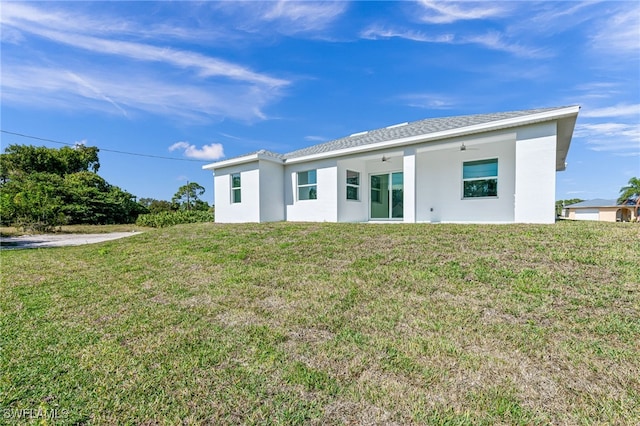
[[101, 149]]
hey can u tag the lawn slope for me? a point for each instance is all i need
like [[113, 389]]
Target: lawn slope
[[327, 324]]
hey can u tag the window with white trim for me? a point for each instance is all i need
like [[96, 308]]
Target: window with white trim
[[480, 178], [353, 185], [307, 185], [236, 196]]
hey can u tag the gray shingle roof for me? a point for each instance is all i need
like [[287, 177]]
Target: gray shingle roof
[[397, 132], [261, 152], [598, 202], [415, 128]]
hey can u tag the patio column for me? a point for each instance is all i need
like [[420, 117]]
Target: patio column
[[409, 192]]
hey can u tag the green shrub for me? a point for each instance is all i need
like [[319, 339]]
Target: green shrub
[[164, 219]]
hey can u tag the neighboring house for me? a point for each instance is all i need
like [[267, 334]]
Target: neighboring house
[[602, 210], [485, 168]]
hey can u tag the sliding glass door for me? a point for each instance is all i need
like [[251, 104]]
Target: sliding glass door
[[386, 196]]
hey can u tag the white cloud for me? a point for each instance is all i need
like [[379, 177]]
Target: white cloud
[[576, 192], [312, 138], [446, 12], [620, 110], [492, 40], [495, 40], [202, 90], [428, 101], [96, 91], [213, 151], [617, 138], [206, 66], [304, 16], [377, 32], [544, 19], [284, 17], [620, 34], [121, 90]]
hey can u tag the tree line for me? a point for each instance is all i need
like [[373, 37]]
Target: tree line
[[41, 188]]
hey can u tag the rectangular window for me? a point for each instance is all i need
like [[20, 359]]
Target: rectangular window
[[307, 185], [480, 178], [353, 185], [236, 196]]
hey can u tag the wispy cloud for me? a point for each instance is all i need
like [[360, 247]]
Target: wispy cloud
[[429, 101], [446, 12], [205, 85], [282, 16], [30, 21], [213, 151], [543, 19], [376, 32], [121, 91], [304, 16], [312, 138], [617, 138], [16, 14], [98, 94], [620, 110], [620, 33], [493, 40]]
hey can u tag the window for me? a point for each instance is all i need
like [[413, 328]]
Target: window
[[353, 185], [480, 178], [236, 196], [307, 188]]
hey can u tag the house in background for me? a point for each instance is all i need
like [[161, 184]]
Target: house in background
[[485, 168], [601, 210]]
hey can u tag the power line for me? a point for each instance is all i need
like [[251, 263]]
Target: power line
[[101, 149]]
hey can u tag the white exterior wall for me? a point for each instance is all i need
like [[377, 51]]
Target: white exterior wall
[[271, 191], [249, 209], [535, 189], [323, 209], [439, 191], [409, 182], [351, 210], [433, 185]]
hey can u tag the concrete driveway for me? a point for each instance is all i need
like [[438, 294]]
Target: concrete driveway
[[59, 240]]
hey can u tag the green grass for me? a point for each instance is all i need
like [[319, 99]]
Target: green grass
[[326, 324]]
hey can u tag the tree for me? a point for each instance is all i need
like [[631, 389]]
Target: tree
[[156, 206], [187, 197], [92, 200], [20, 159], [631, 193], [44, 187], [561, 203], [33, 201]]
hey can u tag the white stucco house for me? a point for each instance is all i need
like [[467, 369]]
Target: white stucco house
[[485, 168]]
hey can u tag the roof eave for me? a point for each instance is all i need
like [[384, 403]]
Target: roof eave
[[241, 160], [566, 118], [570, 113], [566, 125]]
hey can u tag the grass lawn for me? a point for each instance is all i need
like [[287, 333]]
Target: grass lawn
[[326, 324]]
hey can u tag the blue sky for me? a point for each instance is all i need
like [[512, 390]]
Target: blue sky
[[202, 81]]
